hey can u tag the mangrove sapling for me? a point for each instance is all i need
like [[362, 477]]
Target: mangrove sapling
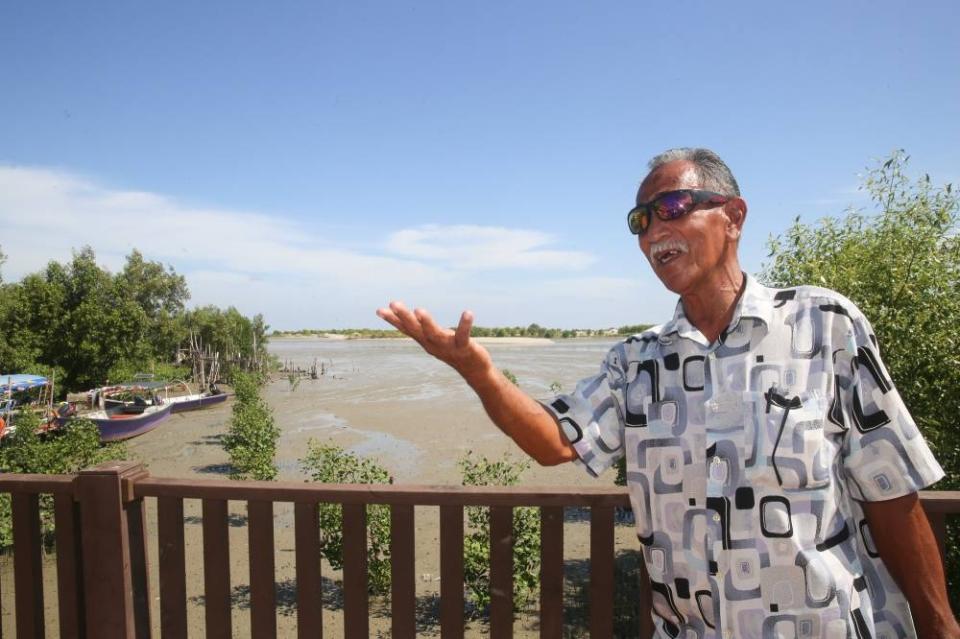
[[251, 440], [331, 464], [481, 471]]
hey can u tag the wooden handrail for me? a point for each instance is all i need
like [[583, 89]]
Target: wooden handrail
[[940, 501], [37, 484], [102, 554], [409, 494]]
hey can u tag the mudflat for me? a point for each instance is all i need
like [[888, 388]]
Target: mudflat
[[385, 400]]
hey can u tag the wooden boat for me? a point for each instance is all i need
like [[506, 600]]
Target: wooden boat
[[128, 420], [20, 394], [125, 410], [196, 401], [133, 408]]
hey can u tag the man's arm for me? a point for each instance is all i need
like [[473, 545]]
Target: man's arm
[[907, 546], [518, 415]]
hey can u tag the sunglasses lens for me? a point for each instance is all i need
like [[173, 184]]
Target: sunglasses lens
[[638, 221], [672, 205]]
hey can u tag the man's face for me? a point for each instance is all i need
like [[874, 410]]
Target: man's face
[[688, 254]]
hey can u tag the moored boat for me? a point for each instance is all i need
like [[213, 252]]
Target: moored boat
[[197, 400], [128, 420], [23, 393]]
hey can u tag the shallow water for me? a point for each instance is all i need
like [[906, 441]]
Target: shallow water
[[389, 400], [398, 370]]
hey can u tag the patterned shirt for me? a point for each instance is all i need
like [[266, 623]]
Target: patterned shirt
[[746, 461]]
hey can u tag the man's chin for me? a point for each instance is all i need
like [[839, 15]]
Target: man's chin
[[671, 281]]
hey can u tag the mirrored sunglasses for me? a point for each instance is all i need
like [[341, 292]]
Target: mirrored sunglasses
[[670, 206]]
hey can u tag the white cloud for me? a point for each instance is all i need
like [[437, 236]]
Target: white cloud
[[485, 247], [298, 277], [67, 212]]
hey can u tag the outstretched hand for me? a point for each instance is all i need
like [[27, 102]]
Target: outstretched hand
[[526, 421], [452, 347]]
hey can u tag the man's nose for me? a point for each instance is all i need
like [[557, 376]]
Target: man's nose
[[656, 229]]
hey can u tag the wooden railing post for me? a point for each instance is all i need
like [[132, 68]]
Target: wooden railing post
[[114, 551], [28, 574]]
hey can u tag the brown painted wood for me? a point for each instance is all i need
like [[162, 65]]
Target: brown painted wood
[[173, 563], [451, 571], [355, 601], [37, 484], [106, 550], [69, 566], [99, 535], [551, 572], [263, 599], [646, 604], [501, 572], [403, 596], [216, 569], [601, 571], [27, 567], [946, 501], [309, 581], [136, 518], [382, 493]]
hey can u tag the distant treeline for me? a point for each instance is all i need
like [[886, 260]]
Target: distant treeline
[[533, 330], [85, 325]]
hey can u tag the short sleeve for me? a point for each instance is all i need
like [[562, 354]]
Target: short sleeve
[[884, 455], [591, 416]]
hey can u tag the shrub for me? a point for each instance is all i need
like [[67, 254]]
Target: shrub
[[73, 448], [331, 464], [251, 439], [476, 544]]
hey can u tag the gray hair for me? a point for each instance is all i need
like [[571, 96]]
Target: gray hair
[[712, 172]]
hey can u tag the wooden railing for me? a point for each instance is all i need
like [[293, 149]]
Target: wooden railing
[[103, 573]]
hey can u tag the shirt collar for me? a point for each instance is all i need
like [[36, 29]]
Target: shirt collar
[[756, 302]]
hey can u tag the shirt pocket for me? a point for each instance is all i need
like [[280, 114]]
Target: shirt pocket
[[793, 439]]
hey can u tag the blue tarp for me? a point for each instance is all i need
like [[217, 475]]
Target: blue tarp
[[20, 382]]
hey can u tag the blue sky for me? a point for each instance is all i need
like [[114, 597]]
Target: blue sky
[[312, 160]]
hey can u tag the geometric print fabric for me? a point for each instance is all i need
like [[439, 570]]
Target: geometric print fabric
[[746, 459]]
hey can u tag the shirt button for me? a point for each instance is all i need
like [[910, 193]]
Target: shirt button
[[716, 517]]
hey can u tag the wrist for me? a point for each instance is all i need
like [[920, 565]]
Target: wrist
[[482, 378]]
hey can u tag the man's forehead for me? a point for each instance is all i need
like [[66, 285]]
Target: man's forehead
[[679, 174]]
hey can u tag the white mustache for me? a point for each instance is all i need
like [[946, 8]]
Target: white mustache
[[668, 245]]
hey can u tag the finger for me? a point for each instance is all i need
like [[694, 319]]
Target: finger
[[408, 323], [431, 330], [462, 336], [403, 314], [388, 316]]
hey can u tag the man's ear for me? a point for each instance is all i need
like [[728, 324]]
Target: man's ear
[[736, 212]]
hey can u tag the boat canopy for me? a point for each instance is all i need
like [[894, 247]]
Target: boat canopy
[[145, 385], [21, 382]]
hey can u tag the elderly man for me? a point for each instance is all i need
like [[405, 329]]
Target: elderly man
[[772, 466]]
